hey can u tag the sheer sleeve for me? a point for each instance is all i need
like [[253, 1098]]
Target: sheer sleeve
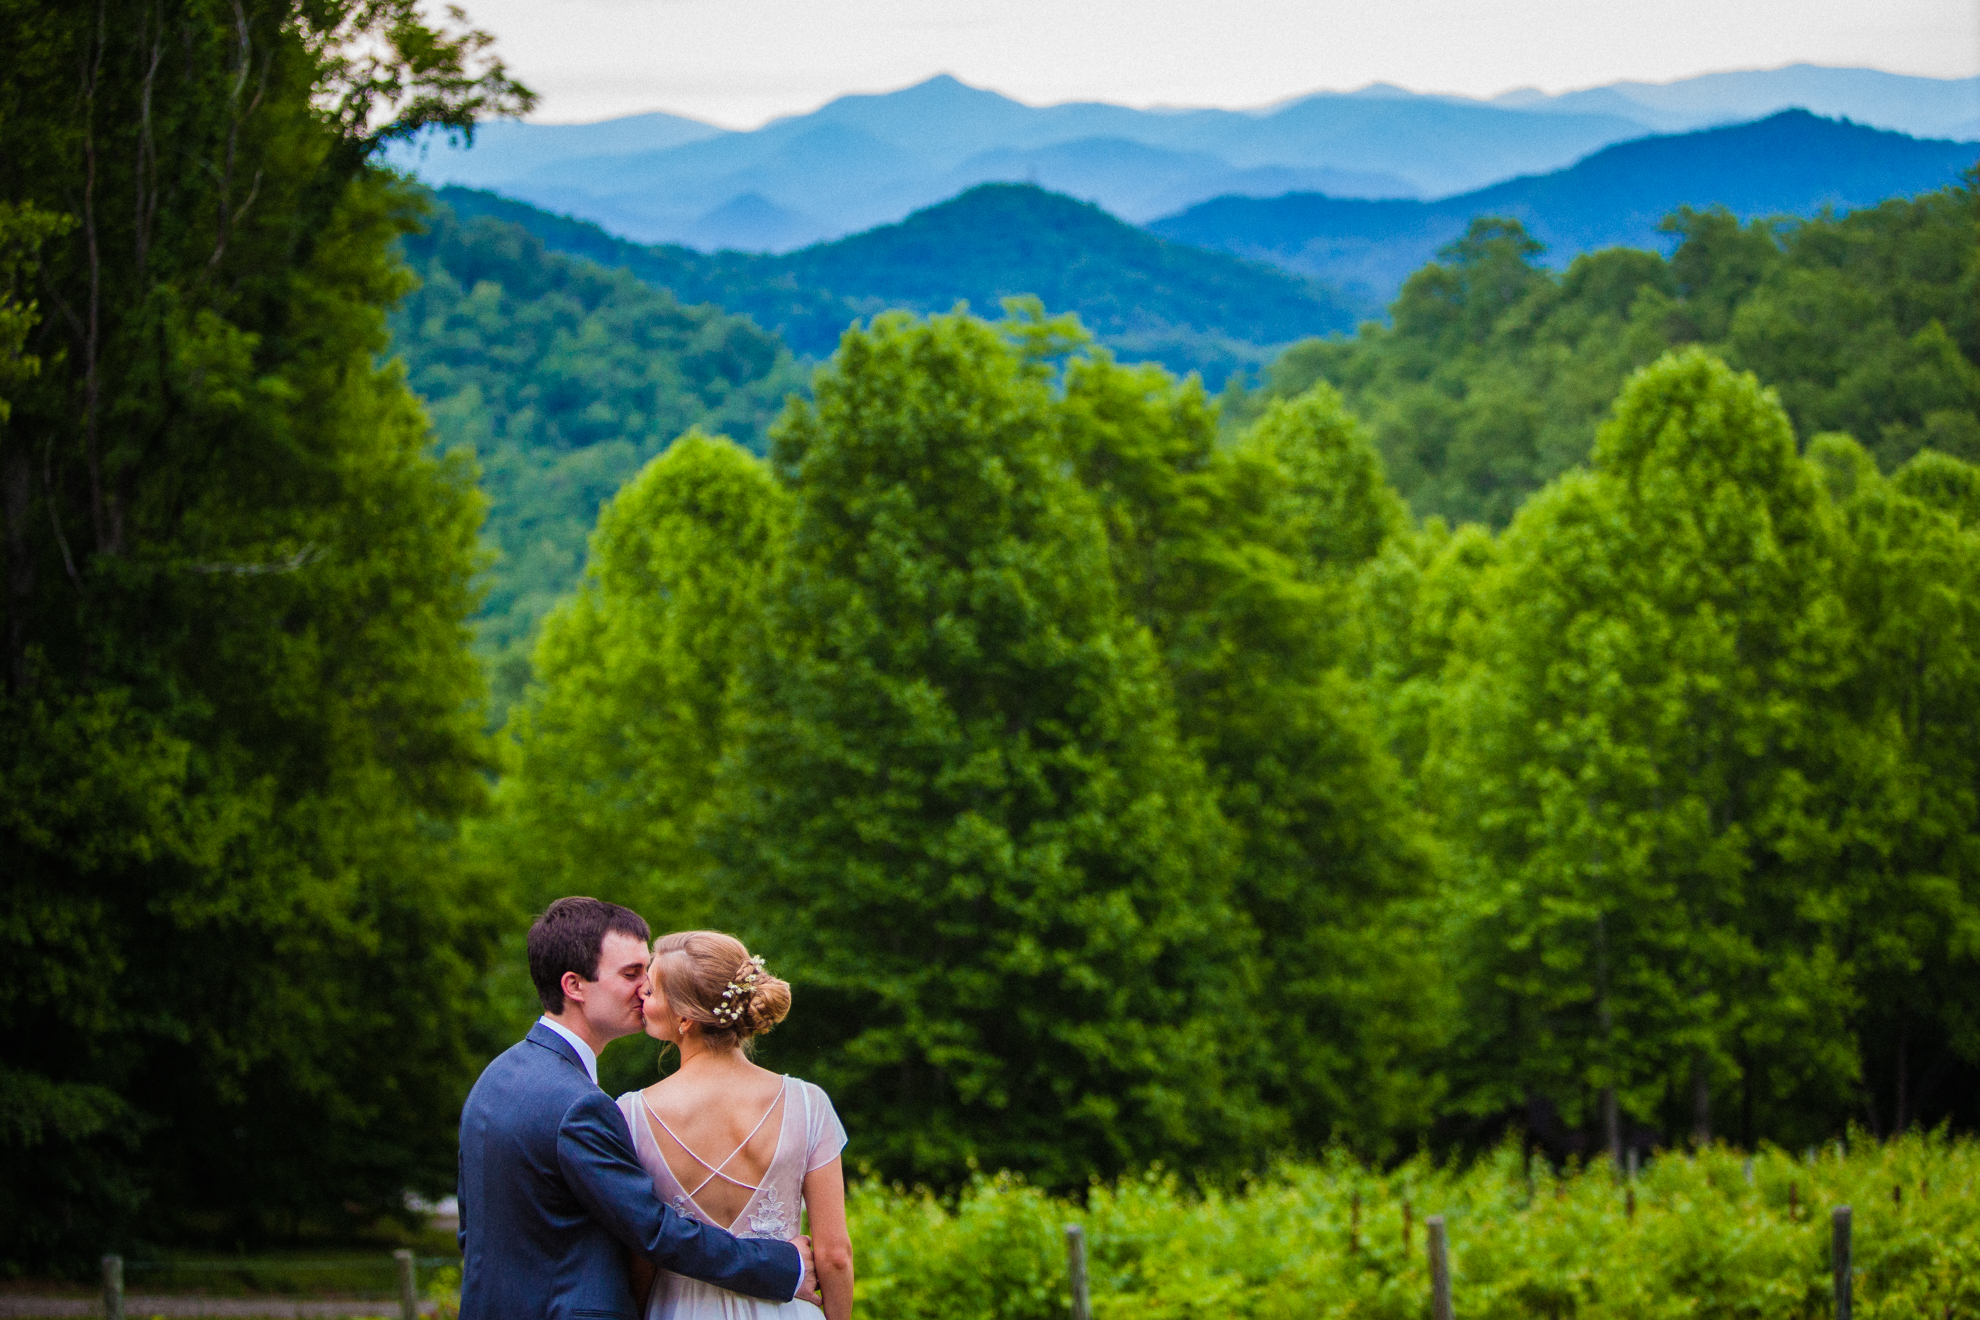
[[825, 1136]]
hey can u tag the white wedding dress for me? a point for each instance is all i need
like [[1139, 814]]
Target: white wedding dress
[[809, 1138]]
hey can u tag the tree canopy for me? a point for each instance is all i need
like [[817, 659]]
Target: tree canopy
[[1494, 372], [240, 719]]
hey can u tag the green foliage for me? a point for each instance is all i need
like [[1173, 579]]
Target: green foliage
[[615, 748], [1337, 1238], [1633, 743], [1012, 721], [1494, 374], [240, 718], [959, 811], [1239, 560], [1026, 723], [563, 378]]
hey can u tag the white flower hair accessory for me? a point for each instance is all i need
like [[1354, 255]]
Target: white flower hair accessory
[[737, 994]]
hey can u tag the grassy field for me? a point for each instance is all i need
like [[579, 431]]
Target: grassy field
[[1703, 1241]]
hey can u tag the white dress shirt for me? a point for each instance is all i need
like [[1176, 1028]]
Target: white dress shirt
[[584, 1051]]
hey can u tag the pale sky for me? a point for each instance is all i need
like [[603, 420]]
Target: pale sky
[[740, 62]]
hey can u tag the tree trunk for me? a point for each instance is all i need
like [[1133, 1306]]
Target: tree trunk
[[1903, 1116], [1746, 1099], [1701, 1101], [1612, 1126], [19, 483]]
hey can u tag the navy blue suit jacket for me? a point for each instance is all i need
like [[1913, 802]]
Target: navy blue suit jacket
[[553, 1198]]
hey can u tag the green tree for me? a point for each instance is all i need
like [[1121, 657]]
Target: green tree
[[960, 816], [1239, 559], [615, 747], [1645, 730], [240, 718], [1911, 579]]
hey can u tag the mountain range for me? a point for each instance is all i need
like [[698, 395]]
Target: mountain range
[[1141, 295], [867, 160], [1791, 163]]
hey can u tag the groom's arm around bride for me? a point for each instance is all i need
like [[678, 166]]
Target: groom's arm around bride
[[552, 1196]]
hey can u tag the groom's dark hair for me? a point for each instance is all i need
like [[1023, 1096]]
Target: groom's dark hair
[[569, 937]]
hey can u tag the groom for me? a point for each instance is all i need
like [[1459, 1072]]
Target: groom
[[552, 1197]]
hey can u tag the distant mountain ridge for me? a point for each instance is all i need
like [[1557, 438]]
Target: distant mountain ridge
[[1143, 296], [1789, 163], [865, 160], [1920, 107]]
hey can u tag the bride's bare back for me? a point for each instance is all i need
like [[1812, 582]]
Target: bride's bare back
[[718, 1132]]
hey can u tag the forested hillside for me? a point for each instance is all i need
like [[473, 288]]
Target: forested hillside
[[1143, 297], [562, 378], [1190, 309], [1792, 163], [1495, 371]]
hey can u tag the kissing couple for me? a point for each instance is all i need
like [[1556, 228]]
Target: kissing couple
[[678, 1202]]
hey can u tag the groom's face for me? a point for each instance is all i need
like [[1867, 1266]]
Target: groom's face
[[613, 1003]]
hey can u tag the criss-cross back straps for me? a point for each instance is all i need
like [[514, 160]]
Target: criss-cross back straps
[[715, 1170]]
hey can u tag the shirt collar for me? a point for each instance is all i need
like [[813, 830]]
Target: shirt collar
[[584, 1051]]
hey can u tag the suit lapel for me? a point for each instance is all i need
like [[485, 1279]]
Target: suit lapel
[[557, 1045]]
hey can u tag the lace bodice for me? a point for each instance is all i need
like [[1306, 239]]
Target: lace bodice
[[809, 1137]]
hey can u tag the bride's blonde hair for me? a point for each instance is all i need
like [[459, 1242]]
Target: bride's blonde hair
[[711, 979]]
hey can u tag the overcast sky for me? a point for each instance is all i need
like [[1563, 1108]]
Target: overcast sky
[[740, 62]]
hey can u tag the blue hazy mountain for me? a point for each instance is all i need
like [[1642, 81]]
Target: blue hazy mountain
[[1922, 107], [866, 160], [1792, 163], [1143, 296], [505, 149]]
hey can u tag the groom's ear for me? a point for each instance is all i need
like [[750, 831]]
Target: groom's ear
[[573, 987]]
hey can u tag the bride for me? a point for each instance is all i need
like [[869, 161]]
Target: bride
[[729, 1143]]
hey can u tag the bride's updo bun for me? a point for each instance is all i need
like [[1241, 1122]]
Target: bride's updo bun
[[711, 979]]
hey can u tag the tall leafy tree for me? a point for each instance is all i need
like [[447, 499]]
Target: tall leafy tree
[[239, 718], [1637, 774], [617, 744], [1910, 576], [1240, 560], [961, 817]]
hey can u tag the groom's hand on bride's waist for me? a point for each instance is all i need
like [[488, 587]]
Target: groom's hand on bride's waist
[[808, 1285]]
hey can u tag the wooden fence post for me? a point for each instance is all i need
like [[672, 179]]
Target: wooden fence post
[[1839, 1258], [113, 1288], [1440, 1269], [408, 1293], [1082, 1302]]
